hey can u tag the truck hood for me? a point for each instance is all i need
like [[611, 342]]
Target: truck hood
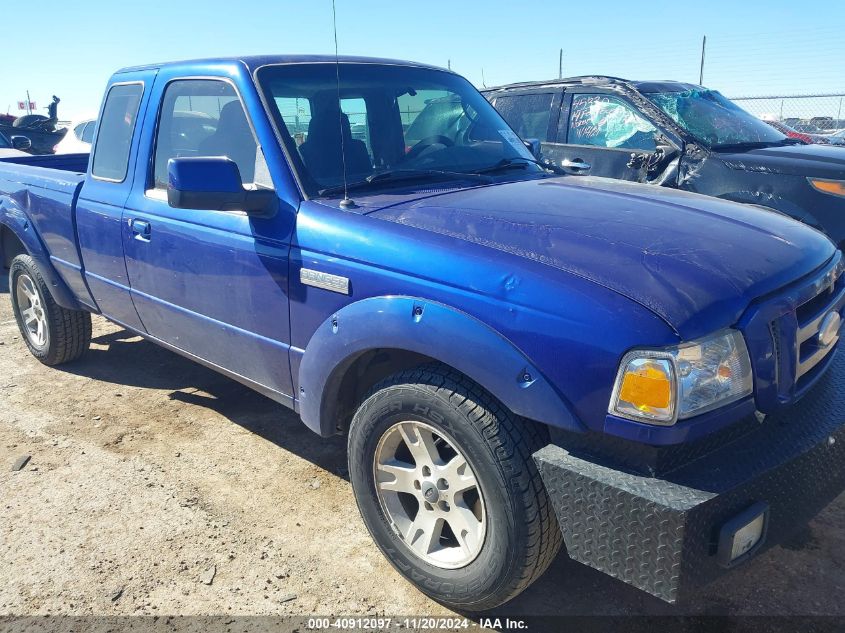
[[821, 161], [697, 262]]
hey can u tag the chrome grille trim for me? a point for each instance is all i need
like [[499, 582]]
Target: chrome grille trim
[[774, 332], [810, 329]]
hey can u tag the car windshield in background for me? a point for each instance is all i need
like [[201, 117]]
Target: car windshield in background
[[387, 124], [4, 142], [715, 120]]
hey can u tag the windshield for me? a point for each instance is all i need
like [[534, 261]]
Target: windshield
[[4, 142], [385, 120], [714, 120]]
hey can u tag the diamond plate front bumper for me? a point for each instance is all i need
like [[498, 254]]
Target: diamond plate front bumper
[[660, 532]]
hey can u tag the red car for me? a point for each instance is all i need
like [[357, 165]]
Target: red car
[[784, 129]]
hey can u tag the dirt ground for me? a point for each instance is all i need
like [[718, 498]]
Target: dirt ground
[[157, 486]]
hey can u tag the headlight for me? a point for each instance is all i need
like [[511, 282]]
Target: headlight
[[664, 386], [834, 187]]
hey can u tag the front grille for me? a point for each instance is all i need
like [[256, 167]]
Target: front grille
[[810, 316]]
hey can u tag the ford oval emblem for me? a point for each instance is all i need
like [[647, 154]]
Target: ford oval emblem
[[829, 329]]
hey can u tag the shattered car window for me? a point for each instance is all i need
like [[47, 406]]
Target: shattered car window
[[713, 119], [606, 121]]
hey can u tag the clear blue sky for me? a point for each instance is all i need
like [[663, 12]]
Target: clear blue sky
[[777, 46]]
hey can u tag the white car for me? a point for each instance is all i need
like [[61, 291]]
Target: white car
[[6, 149], [78, 138]]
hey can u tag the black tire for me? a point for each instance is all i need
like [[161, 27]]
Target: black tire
[[522, 535], [68, 332]]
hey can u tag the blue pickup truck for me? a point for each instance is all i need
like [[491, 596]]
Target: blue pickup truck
[[519, 360]]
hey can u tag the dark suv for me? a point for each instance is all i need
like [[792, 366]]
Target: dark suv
[[677, 135]]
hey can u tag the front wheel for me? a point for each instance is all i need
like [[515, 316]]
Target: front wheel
[[53, 334], [445, 482]]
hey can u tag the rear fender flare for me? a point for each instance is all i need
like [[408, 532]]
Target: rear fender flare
[[20, 226], [432, 329]]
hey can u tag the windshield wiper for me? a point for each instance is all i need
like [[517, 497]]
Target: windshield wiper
[[519, 162], [400, 175]]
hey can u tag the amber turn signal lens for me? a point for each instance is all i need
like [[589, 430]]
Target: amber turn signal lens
[[650, 389], [834, 187], [645, 389]]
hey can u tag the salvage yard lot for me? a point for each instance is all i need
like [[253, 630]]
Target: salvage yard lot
[[157, 486]]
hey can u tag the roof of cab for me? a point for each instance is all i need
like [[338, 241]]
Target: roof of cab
[[603, 80], [256, 61]]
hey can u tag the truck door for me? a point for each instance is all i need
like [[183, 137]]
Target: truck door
[[100, 204], [210, 283], [597, 135]]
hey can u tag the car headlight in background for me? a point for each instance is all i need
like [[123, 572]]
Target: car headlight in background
[[833, 187], [664, 386]]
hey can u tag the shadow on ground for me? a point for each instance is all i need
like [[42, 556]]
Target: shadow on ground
[[124, 359]]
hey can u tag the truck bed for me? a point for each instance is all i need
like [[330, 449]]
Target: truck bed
[[77, 163], [45, 189]]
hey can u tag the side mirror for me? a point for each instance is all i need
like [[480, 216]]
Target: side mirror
[[21, 143], [662, 142], [214, 183], [533, 145]]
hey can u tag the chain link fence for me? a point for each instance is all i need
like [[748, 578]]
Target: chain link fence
[[812, 113]]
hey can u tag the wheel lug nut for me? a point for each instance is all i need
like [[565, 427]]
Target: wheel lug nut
[[442, 484], [426, 471], [443, 506], [417, 484]]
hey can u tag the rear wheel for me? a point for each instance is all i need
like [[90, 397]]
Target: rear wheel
[[53, 334], [445, 482]]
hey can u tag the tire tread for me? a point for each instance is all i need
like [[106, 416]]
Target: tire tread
[[70, 330]]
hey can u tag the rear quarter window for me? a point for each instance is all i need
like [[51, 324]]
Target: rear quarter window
[[111, 154]]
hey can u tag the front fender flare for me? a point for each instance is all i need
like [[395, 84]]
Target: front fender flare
[[435, 330]]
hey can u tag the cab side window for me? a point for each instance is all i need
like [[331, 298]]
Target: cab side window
[[355, 110], [607, 121], [111, 155], [204, 117], [296, 113], [527, 114]]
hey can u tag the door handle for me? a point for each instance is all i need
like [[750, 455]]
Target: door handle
[[575, 165], [141, 230]]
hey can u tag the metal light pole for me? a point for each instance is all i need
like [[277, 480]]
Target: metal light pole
[[701, 71], [560, 65]]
